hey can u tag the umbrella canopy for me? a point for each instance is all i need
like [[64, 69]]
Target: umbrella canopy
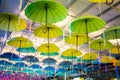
[[87, 24], [20, 64], [9, 22], [90, 68], [46, 48], [73, 71], [65, 64], [79, 66], [30, 59], [112, 33], [100, 1], [99, 44], [61, 70], [68, 57], [49, 54], [46, 11], [49, 61], [90, 56], [49, 68], [114, 50], [27, 50], [49, 73], [60, 74], [71, 52], [10, 56], [20, 42], [52, 30], [108, 59], [5, 63], [76, 39], [35, 66], [117, 63]]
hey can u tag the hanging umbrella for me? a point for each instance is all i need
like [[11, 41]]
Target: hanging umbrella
[[101, 1], [61, 70], [46, 11], [9, 22], [48, 48], [76, 39], [68, 57], [5, 63], [30, 59], [27, 50], [60, 74], [115, 50], [49, 54], [20, 42], [87, 24], [49, 68], [100, 45], [65, 64], [35, 66], [108, 59], [112, 33], [73, 71], [71, 53], [10, 56], [20, 64], [79, 66], [52, 30], [49, 61], [90, 56]]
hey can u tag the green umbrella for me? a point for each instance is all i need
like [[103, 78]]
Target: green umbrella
[[100, 45], [87, 24], [46, 11], [27, 50], [49, 54]]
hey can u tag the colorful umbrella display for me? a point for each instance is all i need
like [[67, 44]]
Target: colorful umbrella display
[[46, 48], [27, 50], [114, 50], [90, 56], [49, 54], [20, 42], [49, 61], [99, 44], [112, 33], [52, 30], [9, 22], [46, 11]]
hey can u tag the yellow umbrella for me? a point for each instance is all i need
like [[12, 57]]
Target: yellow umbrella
[[90, 56], [48, 48], [9, 22], [76, 39], [101, 1], [51, 31], [20, 42], [108, 59], [117, 63], [71, 52], [114, 50]]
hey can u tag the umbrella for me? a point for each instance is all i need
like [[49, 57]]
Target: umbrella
[[68, 57], [71, 52], [76, 39], [79, 66], [5, 63], [90, 56], [46, 48], [112, 33], [60, 74], [35, 66], [108, 59], [73, 71], [49, 61], [46, 11], [49, 68], [52, 30], [65, 64], [27, 50], [117, 63], [114, 50], [100, 45], [87, 24], [49, 54], [101, 1], [20, 64], [61, 70], [9, 22], [91, 68], [20, 42], [30, 59], [10, 56]]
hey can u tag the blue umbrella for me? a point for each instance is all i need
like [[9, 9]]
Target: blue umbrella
[[65, 64], [49, 73], [20, 64], [60, 74], [30, 59], [61, 70], [35, 66], [49, 68], [49, 61], [27, 50], [73, 71], [91, 68], [79, 66], [10, 56], [5, 63]]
